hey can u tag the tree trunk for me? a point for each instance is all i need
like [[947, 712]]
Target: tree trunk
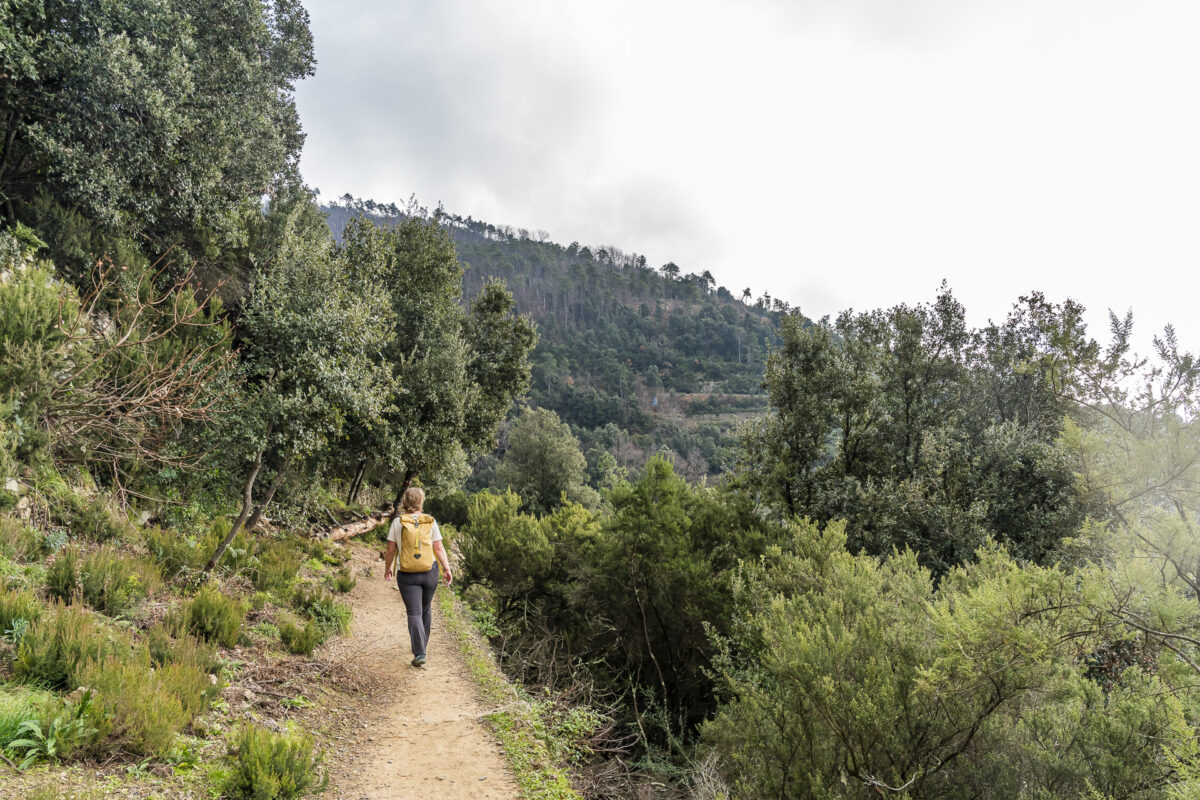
[[258, 512], [247, 501], [356, 484], [408, 476]]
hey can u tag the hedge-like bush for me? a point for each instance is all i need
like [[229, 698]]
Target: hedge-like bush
[[300, 641], [214, 617], [270, 766]]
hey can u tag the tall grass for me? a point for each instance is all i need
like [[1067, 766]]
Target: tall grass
[[20, 542], [19, 705], [18, 610]]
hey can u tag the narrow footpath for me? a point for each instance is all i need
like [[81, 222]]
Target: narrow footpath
[[423, 735]]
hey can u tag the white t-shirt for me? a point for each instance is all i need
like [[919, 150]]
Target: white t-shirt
[[394, 531]]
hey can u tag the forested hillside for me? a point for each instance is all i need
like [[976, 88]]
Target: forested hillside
[[637, 360], [940, 561]]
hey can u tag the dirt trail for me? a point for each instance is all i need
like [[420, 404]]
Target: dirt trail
[[423, 736]]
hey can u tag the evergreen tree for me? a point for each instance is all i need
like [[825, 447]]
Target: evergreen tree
[[160, 118], [314, 327], [543, 463]]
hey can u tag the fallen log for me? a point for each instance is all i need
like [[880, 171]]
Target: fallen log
[[339, 532]]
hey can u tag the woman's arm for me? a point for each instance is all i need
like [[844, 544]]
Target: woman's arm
[[388, 559], [440, 552]]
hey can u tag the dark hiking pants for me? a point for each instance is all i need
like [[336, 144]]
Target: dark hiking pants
[[417, 589]]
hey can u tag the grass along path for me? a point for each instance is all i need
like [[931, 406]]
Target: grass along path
[[521, 732]]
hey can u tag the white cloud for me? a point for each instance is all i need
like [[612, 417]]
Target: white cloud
[[832, 153]]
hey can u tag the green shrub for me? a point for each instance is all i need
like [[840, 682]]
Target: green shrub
[[300, 641], [97, 523], [343, 581], [269, 766], [259, 600], [450, 509], [315, 549], [62, 577], [166, 649], [112, 583], [326, 552], [240, 553], [319, 606], [20, 542], [18, 610], [140, 710], [179, 554], [175, 553], [214, 617], [105, 579], [49, 740], [56, 647], [30, 577], [278, 563], [86, 518], [266, 630]]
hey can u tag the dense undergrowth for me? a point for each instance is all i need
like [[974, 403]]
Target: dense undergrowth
[[120, 651]]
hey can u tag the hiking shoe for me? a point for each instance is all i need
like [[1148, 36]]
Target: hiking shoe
[[418, 661]]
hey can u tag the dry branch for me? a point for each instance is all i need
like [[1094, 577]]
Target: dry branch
[[140, 369]]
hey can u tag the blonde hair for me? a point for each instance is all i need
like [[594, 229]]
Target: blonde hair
[[412, 500]]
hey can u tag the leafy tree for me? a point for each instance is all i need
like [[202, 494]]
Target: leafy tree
[[155, 117], [919, 433], [631, 592], [1138, 450], [602, 326], [543, 464], [314, 327], [460, 368], [499, 344]]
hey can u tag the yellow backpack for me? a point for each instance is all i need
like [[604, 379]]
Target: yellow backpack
[[416, 543]]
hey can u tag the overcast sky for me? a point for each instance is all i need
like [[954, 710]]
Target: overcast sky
[[835, 153]]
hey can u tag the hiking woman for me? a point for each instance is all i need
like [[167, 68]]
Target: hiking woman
[[412, 536]]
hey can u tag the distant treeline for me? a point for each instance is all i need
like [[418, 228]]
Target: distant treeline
[[618, 338]]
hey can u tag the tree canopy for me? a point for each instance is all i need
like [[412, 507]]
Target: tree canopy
[[145, 116]]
